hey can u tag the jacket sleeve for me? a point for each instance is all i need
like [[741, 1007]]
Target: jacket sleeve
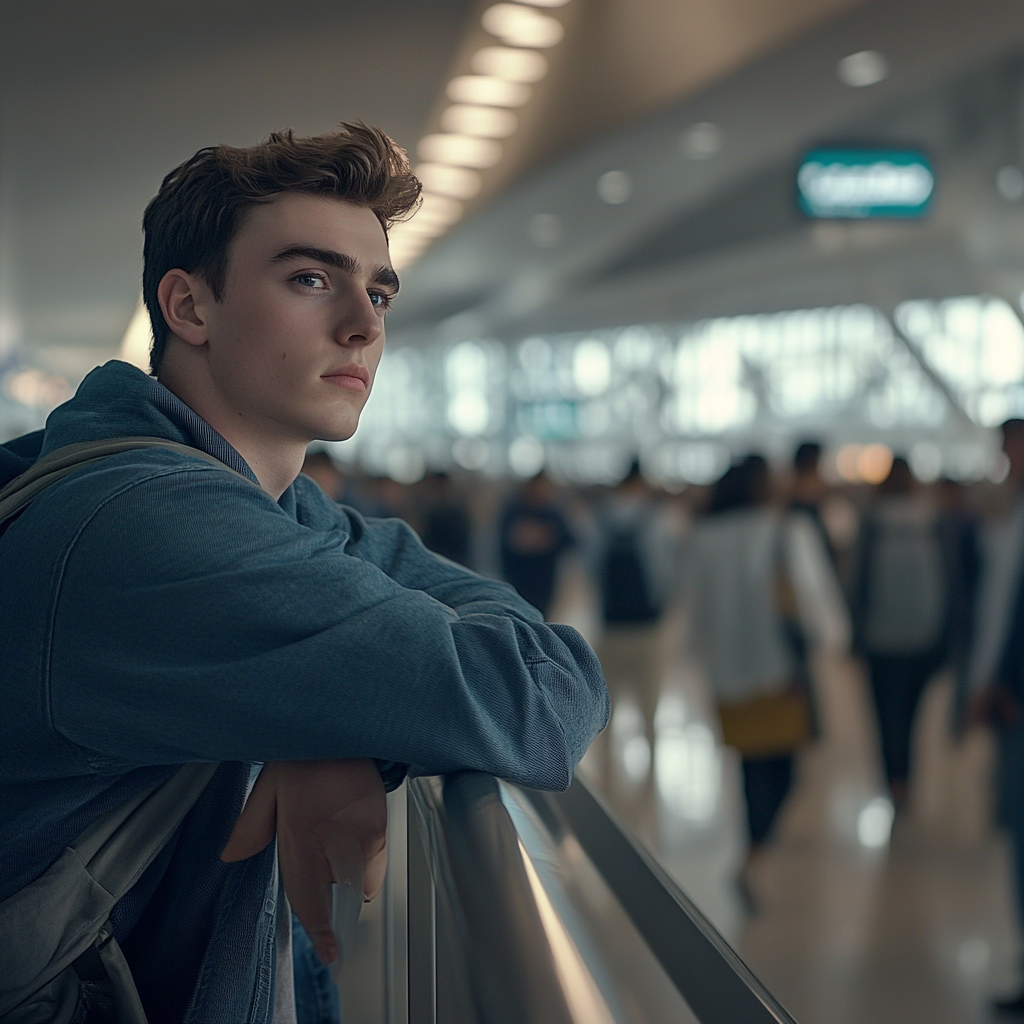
[[235, 633], [394, 547]]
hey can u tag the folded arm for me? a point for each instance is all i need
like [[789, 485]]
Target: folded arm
[[239, 634]]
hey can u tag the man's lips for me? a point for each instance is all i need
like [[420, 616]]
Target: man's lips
[[351, 378]]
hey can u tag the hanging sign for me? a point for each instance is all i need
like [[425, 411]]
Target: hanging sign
[[861, 183]]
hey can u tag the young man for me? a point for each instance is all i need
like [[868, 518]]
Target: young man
[[159, 610]]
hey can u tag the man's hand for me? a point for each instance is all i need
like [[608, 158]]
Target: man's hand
[[330, 818]]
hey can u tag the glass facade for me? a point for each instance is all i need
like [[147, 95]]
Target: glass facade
[[687, 397]]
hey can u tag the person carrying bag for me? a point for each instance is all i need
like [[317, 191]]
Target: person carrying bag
[[761, 592]]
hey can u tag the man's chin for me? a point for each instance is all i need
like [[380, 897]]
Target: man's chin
[[333, 431]]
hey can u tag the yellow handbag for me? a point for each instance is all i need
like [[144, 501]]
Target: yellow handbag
[[767, 725]]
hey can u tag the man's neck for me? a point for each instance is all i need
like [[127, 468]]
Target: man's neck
[[276, 461]]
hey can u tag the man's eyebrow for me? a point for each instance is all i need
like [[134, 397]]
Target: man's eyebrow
[[387, 277], [382, 275], [341, 260]]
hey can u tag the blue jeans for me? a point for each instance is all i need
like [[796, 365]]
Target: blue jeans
[[316, 996]]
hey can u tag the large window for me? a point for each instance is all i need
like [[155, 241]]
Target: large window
[[687, 397], [976, 344]]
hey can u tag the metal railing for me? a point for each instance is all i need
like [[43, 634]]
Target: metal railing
[[503, 904], [490, 954], [483, 921], [716, 984]]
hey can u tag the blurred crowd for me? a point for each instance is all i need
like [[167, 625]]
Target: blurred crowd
[[769, 566]]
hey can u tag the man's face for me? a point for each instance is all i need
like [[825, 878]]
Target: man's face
[[296, 340]]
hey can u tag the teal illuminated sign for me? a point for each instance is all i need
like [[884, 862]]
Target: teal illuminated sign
[[859, 183]]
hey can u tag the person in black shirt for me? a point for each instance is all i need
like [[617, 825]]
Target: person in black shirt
[[447, 528], [534, 536]]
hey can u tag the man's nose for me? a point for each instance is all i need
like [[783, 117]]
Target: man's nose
[[359, 324]]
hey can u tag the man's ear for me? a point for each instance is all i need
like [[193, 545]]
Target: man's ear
[[181, 298]]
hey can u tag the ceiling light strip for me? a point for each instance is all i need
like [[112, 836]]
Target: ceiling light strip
[[481, 114]]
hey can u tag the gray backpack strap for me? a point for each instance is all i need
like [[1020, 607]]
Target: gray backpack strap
[[55, 932], [58, 463]]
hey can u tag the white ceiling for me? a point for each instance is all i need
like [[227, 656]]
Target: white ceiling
[[723, 236]]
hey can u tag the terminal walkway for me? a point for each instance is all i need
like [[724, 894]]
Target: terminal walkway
[[920, 931], [853, 924]]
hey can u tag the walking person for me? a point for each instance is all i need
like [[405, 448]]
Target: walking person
[[808, 490], [997, 664], [761, 596], [960, 539], [633, 559], [534, 535], [447, 527], [901, 597]]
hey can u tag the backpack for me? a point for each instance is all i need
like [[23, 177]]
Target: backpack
[[59, 960], [625, 589], [906, 587]]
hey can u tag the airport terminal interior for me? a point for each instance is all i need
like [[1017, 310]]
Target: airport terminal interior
[[710, 322]]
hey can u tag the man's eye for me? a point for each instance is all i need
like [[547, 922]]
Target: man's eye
[[380, 300], [314, 281]]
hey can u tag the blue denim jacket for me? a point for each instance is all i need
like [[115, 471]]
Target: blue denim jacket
[[157, 610]]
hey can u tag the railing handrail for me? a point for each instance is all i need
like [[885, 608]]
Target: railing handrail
[[715, 982], [465, 853], [476, 861]]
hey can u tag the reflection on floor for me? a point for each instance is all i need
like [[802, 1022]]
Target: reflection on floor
[[860, 920]]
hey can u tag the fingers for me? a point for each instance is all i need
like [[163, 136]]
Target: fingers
[[373, 875], [255, 827], [308, 874], [355, 841], [331, 823]]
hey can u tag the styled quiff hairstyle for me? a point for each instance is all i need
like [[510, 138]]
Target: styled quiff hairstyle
[[190, 223]]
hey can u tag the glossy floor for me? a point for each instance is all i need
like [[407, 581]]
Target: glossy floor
[[855, 923]]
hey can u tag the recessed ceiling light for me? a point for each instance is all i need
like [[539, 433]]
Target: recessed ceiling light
[[404, 245], [488, 90], [866, 67], [439, 209], [1010, 183], [522, 26], [418, 227], [407, 241], [461, 150], [545, 230], [701, 141], [487, 122], [479, 115], [430, 222], [511, 64], [457, 182], [614, 187]]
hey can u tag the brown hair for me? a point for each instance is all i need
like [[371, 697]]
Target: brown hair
[[190, 223]]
